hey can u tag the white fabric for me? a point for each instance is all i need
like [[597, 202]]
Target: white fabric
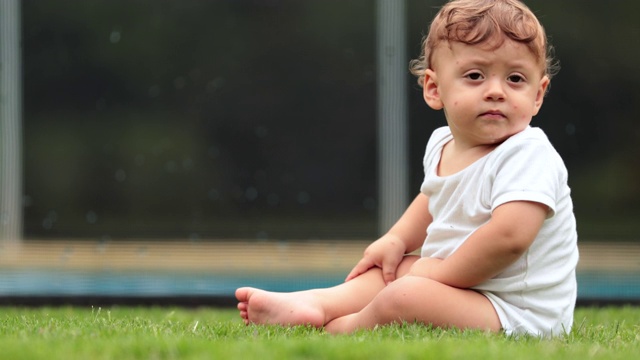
[[537, 293]]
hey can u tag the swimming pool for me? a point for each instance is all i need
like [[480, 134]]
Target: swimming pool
[[593, 286]]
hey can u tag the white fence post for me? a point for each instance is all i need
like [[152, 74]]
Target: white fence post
[[10, 123], [393, 170]]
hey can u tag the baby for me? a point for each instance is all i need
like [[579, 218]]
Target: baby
[[494, 217]]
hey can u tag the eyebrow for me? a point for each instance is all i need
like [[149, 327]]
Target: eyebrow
[[479, 61]]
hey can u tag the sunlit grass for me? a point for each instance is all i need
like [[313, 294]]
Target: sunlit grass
[[163, 333]]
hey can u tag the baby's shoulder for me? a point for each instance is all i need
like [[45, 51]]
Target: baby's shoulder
[[439, 137], [531, 139], [528, 149]]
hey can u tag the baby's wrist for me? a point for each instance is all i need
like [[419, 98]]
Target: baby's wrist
[[395, 241]]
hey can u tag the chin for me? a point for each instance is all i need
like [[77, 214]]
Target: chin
[[498, 139]]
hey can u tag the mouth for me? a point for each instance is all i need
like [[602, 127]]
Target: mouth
[[493, 114]]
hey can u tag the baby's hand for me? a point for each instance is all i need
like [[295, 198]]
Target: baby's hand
[[385, 253]]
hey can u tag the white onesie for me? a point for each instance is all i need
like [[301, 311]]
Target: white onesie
[[537, 293]]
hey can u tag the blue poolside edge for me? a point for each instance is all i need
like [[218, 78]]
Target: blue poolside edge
[[592, 285]]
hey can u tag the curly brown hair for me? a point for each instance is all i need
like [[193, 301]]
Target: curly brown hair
[[478, 21]]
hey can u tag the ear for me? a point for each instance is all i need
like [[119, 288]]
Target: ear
[[542, 91], [430, 90]]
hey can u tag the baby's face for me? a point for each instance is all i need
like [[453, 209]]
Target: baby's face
[[488, 93]]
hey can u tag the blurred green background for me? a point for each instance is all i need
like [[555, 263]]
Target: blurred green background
[[256, 119]]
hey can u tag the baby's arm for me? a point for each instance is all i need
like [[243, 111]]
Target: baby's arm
[[406, 235], [490, 249]]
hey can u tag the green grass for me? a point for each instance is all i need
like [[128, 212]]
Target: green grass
[[162, 333]]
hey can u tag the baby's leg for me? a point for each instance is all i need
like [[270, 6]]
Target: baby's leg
[[418, 299], [313, 307], [310, 307]]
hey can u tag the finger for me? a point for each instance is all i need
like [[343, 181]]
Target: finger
[[356, 271], [362, 266], [389, 269]]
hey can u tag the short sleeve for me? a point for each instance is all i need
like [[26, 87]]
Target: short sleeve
[[527, 170]]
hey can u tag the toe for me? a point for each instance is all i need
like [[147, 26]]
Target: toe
[[243, 306], [243, 294]]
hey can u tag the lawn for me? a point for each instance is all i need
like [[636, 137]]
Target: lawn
[[176, 333]]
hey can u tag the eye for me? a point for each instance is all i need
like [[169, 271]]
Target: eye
[[515, 78], [474, 76]]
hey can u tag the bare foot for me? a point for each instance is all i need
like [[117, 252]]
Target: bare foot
[[264, 307]]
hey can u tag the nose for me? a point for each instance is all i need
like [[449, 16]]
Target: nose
[[494, 89]]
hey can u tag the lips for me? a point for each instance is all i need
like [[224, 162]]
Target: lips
[[495, 114]]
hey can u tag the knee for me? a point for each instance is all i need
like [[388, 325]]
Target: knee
[[401, 297]]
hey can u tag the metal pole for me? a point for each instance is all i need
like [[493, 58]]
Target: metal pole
[[393, 170], [10, 123]]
